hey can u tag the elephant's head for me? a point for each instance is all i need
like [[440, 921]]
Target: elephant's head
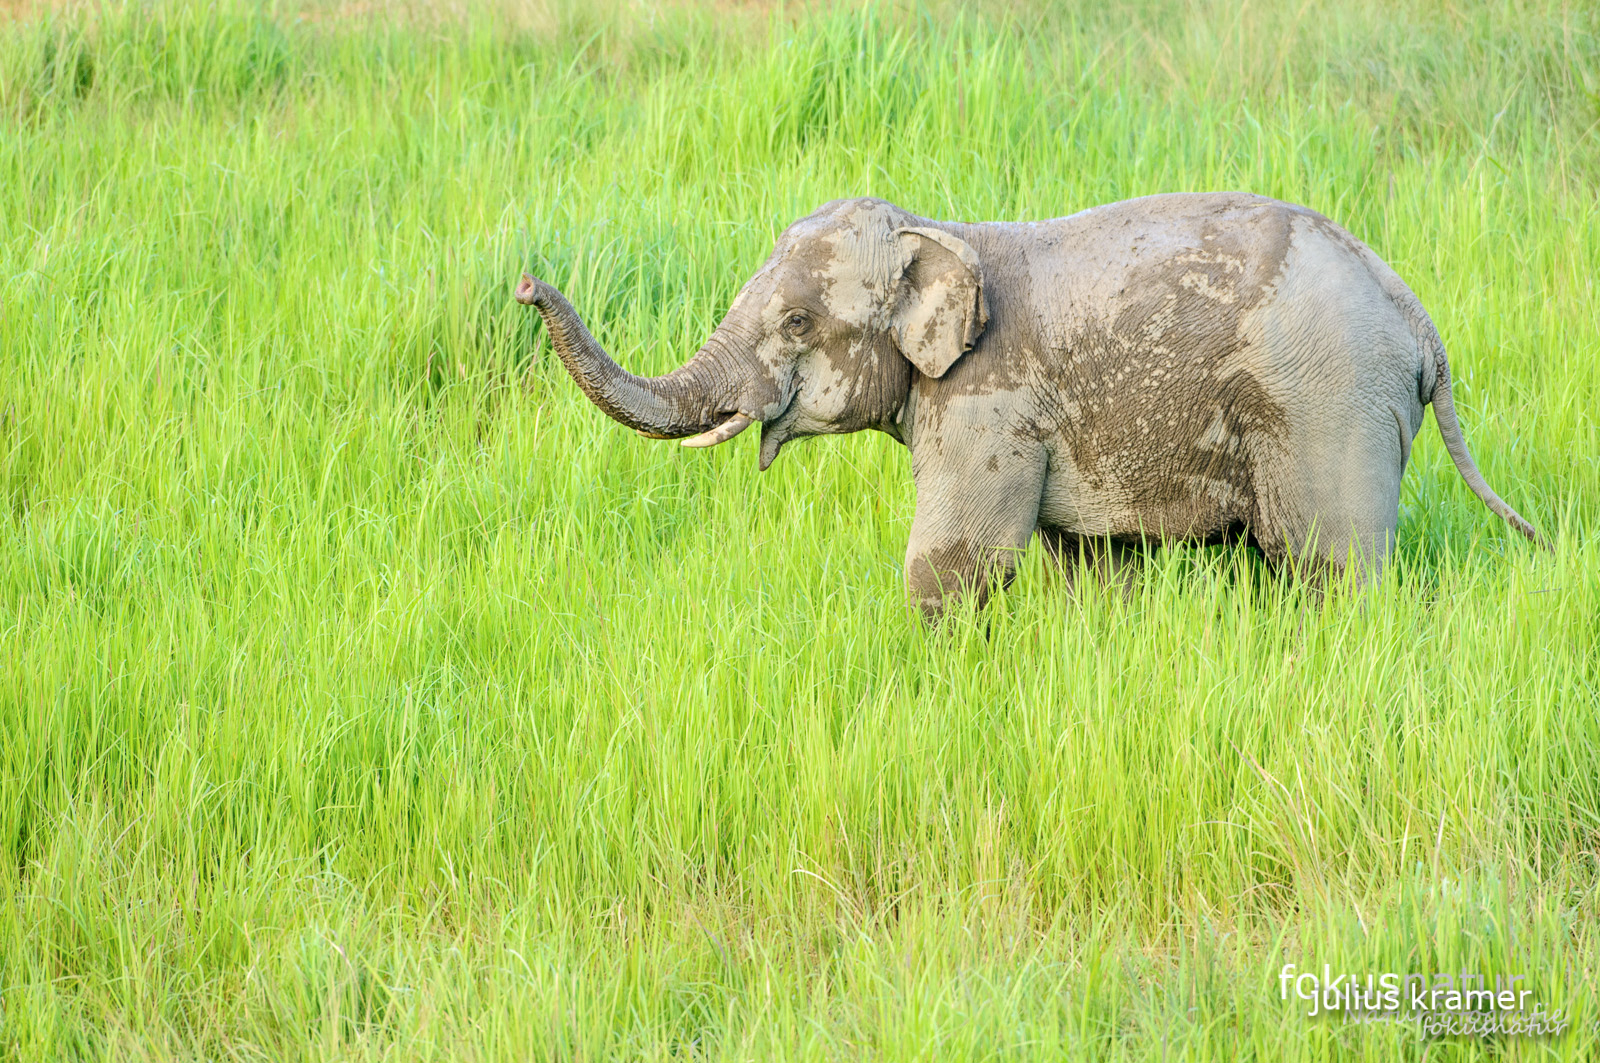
[[824, 339]]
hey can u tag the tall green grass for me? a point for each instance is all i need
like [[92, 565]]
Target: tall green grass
[[368, 695]]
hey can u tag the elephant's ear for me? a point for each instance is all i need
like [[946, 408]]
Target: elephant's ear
[[939, 310]]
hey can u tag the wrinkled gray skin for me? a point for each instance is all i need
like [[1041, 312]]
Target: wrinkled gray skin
[[1205, 368]]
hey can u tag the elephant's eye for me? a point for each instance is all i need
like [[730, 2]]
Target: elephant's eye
[[796, 324]]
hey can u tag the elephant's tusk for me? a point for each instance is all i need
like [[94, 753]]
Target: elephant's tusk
[[722, 433]]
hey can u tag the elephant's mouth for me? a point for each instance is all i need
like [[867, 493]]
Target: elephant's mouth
[[777, 431]]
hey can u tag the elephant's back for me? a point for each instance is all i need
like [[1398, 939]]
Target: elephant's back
[[1135, 256], [1157, 294]]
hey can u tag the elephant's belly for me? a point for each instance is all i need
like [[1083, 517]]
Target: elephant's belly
[[1160, 496]]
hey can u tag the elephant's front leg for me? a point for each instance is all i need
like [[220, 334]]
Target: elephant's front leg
[[977, 507]]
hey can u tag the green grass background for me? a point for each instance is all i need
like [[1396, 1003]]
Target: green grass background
[[367, 695]]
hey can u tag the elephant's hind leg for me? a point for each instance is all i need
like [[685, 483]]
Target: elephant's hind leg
[[1339, 515]]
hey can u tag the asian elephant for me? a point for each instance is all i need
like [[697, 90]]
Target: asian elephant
[[1198, 367]]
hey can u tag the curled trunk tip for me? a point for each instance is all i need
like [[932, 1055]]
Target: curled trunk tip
[[528, 291]]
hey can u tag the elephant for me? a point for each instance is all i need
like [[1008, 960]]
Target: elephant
[[1195, 367]]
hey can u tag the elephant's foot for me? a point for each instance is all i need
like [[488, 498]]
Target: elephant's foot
[[941, 576]]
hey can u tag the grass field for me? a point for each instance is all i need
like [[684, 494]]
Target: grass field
[[368, 695]]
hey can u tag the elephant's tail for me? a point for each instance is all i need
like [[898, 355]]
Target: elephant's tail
[[1444, 412], [1433, 385]]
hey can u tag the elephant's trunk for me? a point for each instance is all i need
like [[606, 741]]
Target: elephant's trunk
[[700, 397]]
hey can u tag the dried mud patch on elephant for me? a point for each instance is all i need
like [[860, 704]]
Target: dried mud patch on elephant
[[942, 572], [1161, 411]]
